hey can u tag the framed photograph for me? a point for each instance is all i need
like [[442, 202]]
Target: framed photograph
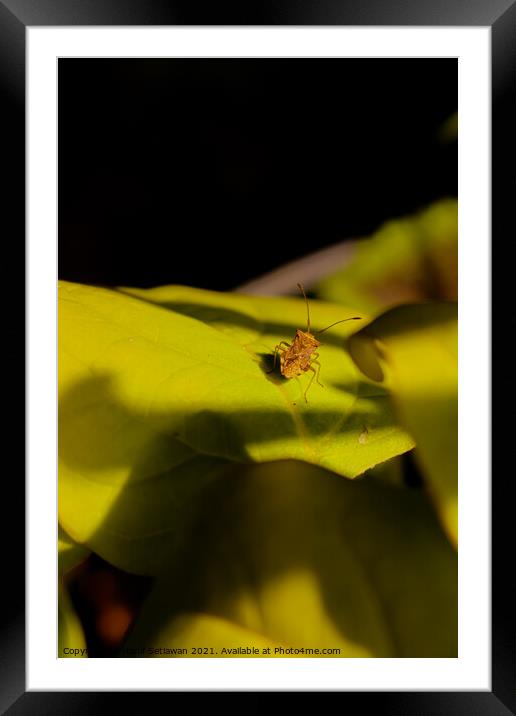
[[252, 394]]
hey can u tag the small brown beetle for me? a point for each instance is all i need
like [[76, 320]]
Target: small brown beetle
[[301, 356]]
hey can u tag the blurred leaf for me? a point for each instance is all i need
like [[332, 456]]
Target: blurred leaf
[[188, 634], [290, 555], [406, 260], [416, 346], [71, 642], [70, 554], [70, 633], [161, 390]]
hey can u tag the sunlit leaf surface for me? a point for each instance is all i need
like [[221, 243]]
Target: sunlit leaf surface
[[161, 390]]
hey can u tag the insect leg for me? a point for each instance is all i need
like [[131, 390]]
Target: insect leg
[[316, 362], [310, 383], [279, 348], [276, 350]]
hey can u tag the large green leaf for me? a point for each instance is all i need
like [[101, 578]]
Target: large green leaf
[[415, 348], [404, 261], [289, 555], [162, 389]]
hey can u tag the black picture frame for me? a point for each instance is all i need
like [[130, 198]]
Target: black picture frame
[[500, 16]]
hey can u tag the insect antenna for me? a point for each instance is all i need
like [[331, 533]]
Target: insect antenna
[[300, 287], [354, 318]]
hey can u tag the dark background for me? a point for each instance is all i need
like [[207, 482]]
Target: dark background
[[210, 172]]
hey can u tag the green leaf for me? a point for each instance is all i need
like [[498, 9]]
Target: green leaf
[[70, 554], [161, 390], [71, 641], [188, 634], [406, 260], [289, 555], [416, 348], [70, 633]]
